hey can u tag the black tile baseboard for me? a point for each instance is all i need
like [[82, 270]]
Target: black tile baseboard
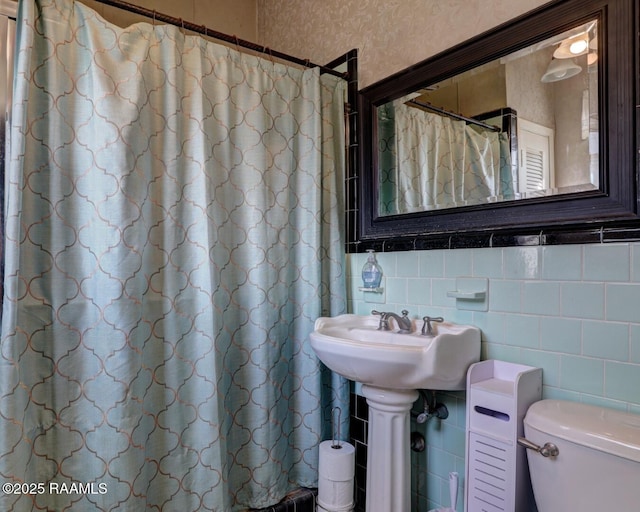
[[300, 500]]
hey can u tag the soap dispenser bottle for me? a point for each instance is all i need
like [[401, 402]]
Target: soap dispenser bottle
[[371, 272]]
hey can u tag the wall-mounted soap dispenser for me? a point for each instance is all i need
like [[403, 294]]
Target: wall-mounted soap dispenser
[[371, 272]]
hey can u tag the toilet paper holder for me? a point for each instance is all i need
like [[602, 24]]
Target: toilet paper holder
[[336, 471], [335, 428]]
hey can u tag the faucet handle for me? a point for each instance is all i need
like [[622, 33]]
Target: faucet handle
[[404, 323], [427, 328], [384, 320]]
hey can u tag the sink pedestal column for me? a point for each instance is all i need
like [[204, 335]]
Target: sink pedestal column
[[389, 452]]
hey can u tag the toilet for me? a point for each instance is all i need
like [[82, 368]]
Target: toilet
[[597, 465]]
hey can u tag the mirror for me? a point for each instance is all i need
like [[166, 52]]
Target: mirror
[[528, 125], [497, 132]]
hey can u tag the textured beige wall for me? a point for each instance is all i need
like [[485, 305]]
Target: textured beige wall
[[389, 34], [234, 17]]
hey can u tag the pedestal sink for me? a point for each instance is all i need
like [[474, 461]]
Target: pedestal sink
[[392, 366]]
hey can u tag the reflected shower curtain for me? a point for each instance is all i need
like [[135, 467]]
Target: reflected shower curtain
[[174, 228], [431, 161]]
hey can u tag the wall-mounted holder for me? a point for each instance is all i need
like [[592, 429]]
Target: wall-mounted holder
[[376, 295], [371, 290], [471, 293]]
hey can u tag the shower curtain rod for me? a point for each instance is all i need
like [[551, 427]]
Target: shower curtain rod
[[201, 29], [428, 106]]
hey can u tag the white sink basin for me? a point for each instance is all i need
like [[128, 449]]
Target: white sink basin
[[352, 346]]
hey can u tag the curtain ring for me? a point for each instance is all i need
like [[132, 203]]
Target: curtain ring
[[205, 30], [182, 26], [237, 42], [154, 18], [267, 51]]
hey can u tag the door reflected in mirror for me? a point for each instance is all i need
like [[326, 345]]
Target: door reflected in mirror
[[525, 125]]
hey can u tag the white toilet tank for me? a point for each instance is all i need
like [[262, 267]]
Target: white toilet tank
[[598, 463]]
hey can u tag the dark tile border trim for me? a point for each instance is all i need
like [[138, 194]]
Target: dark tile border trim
[[514, 238]]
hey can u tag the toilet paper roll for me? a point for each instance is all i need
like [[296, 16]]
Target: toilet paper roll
[[336, 470], [320, 508], [337, 464], [335, 496]]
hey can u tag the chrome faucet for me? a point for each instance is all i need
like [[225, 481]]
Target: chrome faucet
[[404, 322]]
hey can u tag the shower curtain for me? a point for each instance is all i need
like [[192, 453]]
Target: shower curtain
[[430, 161], [174, 228]]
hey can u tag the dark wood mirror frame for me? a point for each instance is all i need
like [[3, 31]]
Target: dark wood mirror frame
[[610, 213]]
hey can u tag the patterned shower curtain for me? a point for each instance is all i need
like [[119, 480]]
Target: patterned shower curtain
[[429, 161], [174, 228]]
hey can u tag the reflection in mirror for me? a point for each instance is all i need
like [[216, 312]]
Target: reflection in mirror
[[522, 126]]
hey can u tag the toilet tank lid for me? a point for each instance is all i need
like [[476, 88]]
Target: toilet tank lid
[[599, 428]]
